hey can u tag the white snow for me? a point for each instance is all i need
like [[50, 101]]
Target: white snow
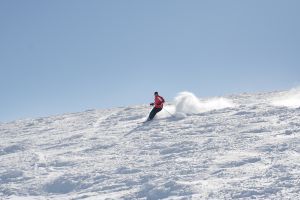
[[238, 147], [187, 103], [289, 99]]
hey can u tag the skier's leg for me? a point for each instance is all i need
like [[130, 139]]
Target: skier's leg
[[153, 113], [158, 110]]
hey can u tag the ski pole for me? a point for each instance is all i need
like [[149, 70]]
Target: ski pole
[[169, 113]]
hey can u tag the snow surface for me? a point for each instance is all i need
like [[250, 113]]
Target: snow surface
[[240, 147], [290, 98]]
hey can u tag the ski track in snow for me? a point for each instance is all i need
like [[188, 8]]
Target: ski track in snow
[[248, 151]]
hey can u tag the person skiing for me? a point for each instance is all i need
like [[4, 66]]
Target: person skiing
[[158, 105]]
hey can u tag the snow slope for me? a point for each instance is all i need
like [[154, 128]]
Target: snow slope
[[239, 147]]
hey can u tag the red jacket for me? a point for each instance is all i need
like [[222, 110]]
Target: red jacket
[[159, 102]]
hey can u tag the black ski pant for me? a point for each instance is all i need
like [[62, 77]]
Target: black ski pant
[[153, 112]]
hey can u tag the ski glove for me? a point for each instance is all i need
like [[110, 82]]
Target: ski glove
[[151, 104]]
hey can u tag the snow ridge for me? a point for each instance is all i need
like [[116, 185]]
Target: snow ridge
[[289, 99], [238, 147]]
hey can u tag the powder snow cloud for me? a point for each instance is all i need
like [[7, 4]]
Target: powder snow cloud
[[289, 99], [187, 103]]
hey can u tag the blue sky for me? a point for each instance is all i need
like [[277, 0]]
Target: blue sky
[[68, 56]]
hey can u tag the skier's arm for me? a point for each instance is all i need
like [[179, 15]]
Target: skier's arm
[[162, 100]]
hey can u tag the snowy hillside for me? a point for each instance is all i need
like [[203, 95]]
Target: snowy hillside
[[237, 147]]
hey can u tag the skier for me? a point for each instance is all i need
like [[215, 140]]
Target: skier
[[158, 106]]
